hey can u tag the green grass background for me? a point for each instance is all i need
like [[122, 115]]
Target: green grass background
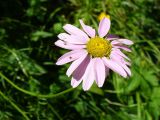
[[30, 80]]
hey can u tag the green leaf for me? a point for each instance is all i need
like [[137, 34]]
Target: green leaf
[[40, 34]]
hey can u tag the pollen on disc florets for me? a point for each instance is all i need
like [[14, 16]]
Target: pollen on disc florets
[[99, 47]]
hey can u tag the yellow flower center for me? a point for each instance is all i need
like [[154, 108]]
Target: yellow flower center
[[99, 47]]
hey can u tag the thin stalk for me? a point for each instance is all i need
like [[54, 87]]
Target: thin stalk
[[32, 93]]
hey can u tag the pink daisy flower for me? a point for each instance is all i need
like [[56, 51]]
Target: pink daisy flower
[[93, 55]]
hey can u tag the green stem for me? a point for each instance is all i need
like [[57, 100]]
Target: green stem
[[14, 105], [119, 104], [111, 91], [34, 94], [138, 105]]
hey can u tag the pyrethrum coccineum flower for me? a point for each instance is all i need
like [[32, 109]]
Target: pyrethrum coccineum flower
[[92, 55]]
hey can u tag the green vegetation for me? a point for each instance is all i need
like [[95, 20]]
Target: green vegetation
[[32, 87]]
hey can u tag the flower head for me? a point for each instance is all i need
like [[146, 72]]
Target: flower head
[[102, 15], [93, 55]]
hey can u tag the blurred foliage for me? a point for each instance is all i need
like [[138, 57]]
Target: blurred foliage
[[28, 30]]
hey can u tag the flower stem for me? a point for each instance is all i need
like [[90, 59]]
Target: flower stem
[[32, 93], [14, 105]]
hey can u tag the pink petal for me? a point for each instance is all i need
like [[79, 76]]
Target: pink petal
[[75, 64], [120, 61], [99, 72], [115, 42], [122, 47], [80, 70], [104, 27], [68, 46], [70, 56], [122, 41], [120, 53], [126, 69], [114, 66], [126, 41], [63, 36], [71, 38], [89, 30], [75, 31], [75, 82], [89, 76], [116, 56]]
